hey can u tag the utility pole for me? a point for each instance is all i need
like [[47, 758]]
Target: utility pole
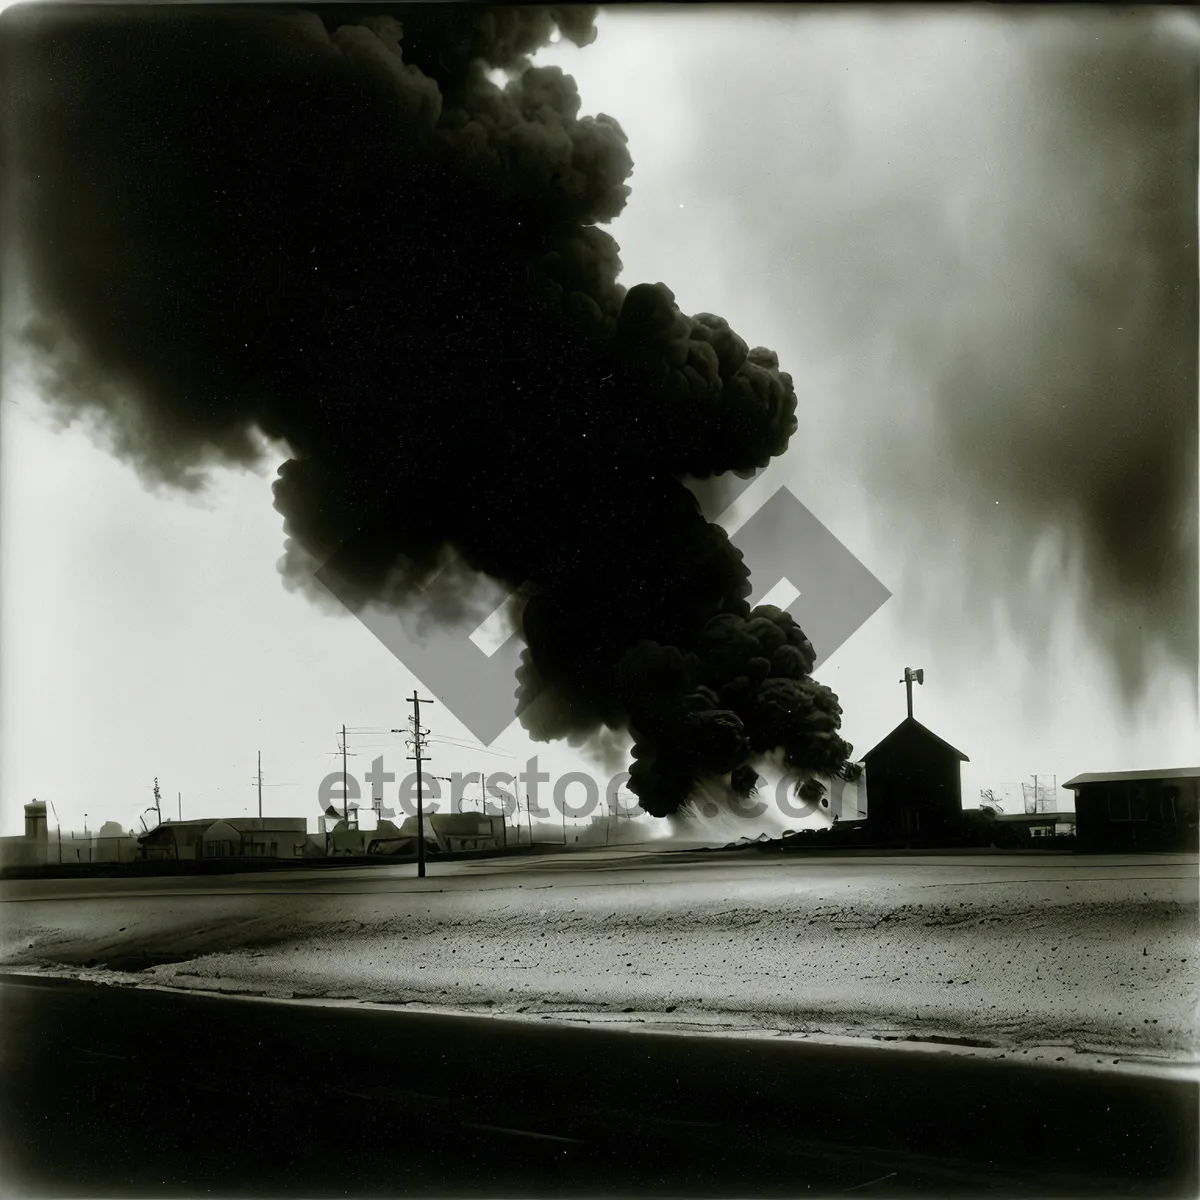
[[505, 815], [260, 777], [417, 742], [179, 797], [347, 808], [345, 781], [909, 676]]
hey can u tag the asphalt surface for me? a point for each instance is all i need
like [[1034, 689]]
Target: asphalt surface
[[1062, 958], [134, 1092]]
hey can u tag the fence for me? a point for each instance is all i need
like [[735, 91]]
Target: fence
[[73, 848]]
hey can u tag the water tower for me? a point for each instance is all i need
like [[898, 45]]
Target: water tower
[[35, 821]]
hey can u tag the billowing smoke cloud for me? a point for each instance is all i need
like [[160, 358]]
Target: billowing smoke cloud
[[984, 227], [336, 230]]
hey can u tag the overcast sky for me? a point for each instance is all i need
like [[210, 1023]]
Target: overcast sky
[[841, 188]]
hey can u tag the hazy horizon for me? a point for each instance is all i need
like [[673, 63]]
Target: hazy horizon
[[149, 633]]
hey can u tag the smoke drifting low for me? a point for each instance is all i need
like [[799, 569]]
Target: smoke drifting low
[[334, 229], [987, 233], [1073, 404]]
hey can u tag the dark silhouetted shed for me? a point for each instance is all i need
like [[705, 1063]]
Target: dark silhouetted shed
[[914, 784]]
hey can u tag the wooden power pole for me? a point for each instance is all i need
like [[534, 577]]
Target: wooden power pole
[[417, 742], [345, 781]]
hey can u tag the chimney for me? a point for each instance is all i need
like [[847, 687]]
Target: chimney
[[35, 821]]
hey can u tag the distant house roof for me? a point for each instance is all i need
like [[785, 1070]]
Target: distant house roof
[[267, 824], [163, 833], [464, 822], [1118, 776], [239, 824], [912, 725], [1059, 818]]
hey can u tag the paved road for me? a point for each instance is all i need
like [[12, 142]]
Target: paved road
[[1063, 958], [124, 1091]]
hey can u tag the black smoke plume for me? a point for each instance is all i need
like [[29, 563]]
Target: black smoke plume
[[333, 228]]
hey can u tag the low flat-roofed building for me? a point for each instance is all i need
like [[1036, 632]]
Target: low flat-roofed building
[[1137, 810], [1037, 826]]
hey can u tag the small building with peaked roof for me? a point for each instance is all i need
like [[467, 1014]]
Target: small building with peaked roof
[[914, 785]]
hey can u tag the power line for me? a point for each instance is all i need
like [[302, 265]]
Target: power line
[[473, 749], [466, 741]]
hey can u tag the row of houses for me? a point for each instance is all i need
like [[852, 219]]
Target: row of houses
[[288, 838], [262, 838]]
